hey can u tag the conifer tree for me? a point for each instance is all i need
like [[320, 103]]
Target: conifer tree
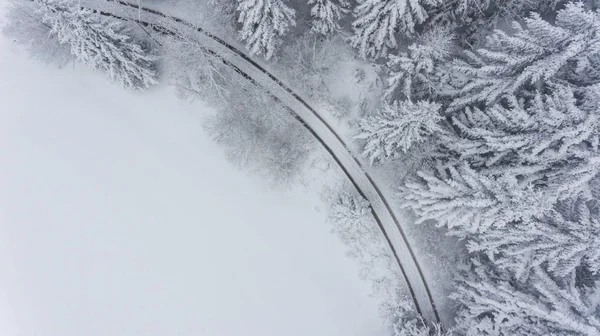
[[326, 15], [98, 43], [263, 23], [475, 19], [397, 127], [537, 54], [415, 74], [565, 238], [495, 304], [377, 23], [548, 141], [470, 203]]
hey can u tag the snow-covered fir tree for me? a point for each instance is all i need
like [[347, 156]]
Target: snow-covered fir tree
[[537, 54], [99, 43], [477, 18], [495, 304], [264, 22], [547, 141], [326, 15], [468, 203], [508, 163], [566, 238], [378, 21], [348, 211], [415, 74], [397, 127]]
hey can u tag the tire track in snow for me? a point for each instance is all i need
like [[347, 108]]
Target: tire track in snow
[[335, 146]]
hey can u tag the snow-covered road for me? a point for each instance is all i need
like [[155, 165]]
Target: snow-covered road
[[366, 185], [352, 166]]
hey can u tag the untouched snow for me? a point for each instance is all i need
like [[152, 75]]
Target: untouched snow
[[119, 216]]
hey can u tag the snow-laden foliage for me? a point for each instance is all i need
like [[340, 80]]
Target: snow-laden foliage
[[418, 327], [397, 127], [24, 25], [260, 135], [197, 73], [99, 43], [311, 62], [515, 162], [471, 203], [550, 142], [495, 304], [540, 53], [226, 11], [414, 74], [263, 23], [326, 15], [566, 238], [352, 221], [476, 18], [378, 21]]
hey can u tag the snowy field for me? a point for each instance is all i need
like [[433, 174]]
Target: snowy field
[[119, 216]]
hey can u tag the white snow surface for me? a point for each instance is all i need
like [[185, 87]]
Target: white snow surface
[[119, 216]]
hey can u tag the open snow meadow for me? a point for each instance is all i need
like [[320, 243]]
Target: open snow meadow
[[120, 216]]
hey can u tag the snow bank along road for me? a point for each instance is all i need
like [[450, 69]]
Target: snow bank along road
[[333, 143]]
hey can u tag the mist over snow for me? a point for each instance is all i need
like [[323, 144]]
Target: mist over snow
[[119, 216], [217, 167]]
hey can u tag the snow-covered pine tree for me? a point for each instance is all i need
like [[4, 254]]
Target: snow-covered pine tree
[[453, 13], [378, 21], [414, 75], [347, 211], [326, 15], [566, 238], [397, 127], [494, 304], [547, 141], [470, 203], [477, 18], [99, 43], [566, 52], [263, 24]]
